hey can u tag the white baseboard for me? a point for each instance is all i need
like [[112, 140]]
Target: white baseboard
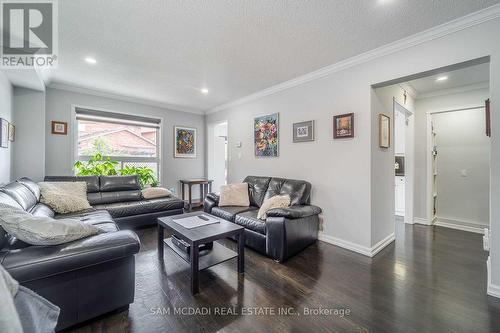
[[423, 221], [380, 245], [492, 289], [344, 244], [460, 225], [364, 250]]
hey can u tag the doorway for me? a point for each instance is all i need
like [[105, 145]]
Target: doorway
[[402, 152], [217, 154], [458, 169]]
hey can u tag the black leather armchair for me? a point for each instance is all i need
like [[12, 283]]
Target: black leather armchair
[[286, 231]]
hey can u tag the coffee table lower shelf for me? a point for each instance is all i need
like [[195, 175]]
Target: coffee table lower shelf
[[218, 254]]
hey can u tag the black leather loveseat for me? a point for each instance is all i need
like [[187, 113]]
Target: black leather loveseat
[[85, 278], [286, 231], [121, 197]]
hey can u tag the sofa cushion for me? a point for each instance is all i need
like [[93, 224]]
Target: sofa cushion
[[32, 186], [120, 196], [278, 201], [122, 209], [119, 183], [92, 181], [250, 221], [257, 187], [23, 195], [99, 218], [229, 213], [43, 230], [65, 197], [8, 200], [234, 195], [298, 190], [41, 209]]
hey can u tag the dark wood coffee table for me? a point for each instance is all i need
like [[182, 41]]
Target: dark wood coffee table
[[198, 236]]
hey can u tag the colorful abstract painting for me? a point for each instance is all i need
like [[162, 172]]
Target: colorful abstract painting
[[185, 142], [266, 138]]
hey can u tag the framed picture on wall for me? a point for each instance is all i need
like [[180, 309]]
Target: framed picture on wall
[[12, 132], [266, 135], [384, 131], [343, 126], [185, 142], [303, 131], [59, 128], [4, 133]]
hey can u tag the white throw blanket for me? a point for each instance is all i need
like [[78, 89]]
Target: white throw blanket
[[22, 310], [9, 319], [42, 230]]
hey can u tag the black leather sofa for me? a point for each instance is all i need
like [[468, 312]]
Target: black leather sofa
[[85, 278], [286, 231], [121, 197]]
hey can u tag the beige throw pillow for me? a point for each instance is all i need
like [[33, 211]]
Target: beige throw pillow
[[278, 201], [64, 197], [234, 195], [155, 192], [43, 230]]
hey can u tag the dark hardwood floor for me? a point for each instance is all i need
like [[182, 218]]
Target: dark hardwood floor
[[431, 279]]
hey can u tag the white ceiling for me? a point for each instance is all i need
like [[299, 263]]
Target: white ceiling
[[461, 78], [166, 51]]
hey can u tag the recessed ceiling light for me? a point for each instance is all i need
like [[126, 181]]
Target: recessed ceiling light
[[91, 60], [383, 2], [204, 91], [441, 78]]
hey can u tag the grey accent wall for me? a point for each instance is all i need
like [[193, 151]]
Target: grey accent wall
[[6, 154], [59, 159], [29, 117]]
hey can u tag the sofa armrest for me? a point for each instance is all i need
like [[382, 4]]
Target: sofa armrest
[[294, 212], [286, 237], [211, 201], [36, 262]]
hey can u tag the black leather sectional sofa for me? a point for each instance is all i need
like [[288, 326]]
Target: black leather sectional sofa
[[91, 276], [121, 197], [286, 231]]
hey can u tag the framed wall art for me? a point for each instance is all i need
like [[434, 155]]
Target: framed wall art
[[303, 131], [59, 128], [185, 142], [4, 133], [266, 139], [343, 126], [384, 131], [12, 132]]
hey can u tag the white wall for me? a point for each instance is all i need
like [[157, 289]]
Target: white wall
[[29, 117], [463, 180], [349, 175], [6, 154], [382, 168], [59, 160], [431, 104], [216, 149]]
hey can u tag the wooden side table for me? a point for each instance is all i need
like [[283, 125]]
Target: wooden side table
[[205, 188]]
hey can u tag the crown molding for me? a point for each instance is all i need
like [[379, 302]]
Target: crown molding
[[125, 98], [439, 31], [457, 90]]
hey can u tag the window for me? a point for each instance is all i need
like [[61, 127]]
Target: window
[[129, 140]]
